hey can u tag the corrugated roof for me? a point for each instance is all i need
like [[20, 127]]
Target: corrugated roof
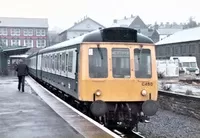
[[23, 22], [186, 35], [168, 31], [123, 22]]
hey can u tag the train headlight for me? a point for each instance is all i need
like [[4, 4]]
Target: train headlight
[[143, 92], [98, 93]]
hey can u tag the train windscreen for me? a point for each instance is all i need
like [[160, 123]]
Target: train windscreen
[[98, 63], [121, 63], [142, 63]]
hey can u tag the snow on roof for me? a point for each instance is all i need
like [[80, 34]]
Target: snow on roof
[[123, 22], [19, 56], [186, 35], [168, 31], [23, 22]]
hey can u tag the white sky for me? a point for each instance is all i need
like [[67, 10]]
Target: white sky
[[63, 13]]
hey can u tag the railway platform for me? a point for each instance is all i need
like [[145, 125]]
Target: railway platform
[[24, 115], [37, 113]]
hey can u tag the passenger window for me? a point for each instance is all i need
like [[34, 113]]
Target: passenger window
[[53, 62], [70, 62], [58, 62], [142, 63], [45, 60], [98, 64], [66, 61], [121, 63], [63, 61]]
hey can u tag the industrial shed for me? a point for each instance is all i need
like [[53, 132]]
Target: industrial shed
[[181, 43]]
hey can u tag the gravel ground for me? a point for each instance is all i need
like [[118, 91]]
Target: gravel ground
[[166, 124]]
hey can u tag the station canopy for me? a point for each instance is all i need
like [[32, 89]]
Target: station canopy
[[14, 50]]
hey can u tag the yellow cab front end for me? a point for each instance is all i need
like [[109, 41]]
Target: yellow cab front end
[[117, 72]]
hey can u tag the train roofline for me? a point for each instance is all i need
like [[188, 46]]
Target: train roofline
[[94, 36]]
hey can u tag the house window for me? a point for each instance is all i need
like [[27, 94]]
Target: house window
[[3, 31], [28, 42], [28, 32], [15, 32], [15, 42], [41, 43], [3, 42], [40, 32]]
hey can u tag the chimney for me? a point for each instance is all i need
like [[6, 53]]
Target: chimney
[[115, 21], [124, 17], [131, 15]]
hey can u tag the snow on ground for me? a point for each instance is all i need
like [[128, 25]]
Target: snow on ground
[[180, 87]]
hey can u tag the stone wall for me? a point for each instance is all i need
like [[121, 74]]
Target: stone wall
[[179, 103]]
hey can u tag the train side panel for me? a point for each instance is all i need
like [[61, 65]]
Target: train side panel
[[59, 69]]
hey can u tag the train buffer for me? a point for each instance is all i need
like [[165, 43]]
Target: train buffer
[[36, 113]]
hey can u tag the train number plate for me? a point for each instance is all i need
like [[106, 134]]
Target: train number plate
[[147, 83]]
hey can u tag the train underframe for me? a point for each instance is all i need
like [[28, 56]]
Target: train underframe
[[119, 115]]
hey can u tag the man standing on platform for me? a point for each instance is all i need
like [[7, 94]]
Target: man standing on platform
[[22, 71]]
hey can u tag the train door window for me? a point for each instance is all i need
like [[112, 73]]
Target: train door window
[[70, 62], [121, 62], [142, 63], [66, 62], [45, 60], [60, 60], [53, 62], [98, 63], [63, 62], [58, 57]]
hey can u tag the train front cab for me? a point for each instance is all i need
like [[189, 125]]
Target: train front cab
[[118, 72]]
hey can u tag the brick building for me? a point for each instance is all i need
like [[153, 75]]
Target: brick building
[[30, 32], [181, 43]]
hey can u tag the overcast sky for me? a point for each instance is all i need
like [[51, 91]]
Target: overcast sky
[[63, 13]]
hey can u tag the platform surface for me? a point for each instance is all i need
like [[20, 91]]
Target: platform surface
[[25, 115]]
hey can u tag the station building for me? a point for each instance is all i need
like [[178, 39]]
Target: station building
[[18, 35], [181, 43]]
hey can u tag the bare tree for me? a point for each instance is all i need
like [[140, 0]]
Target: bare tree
[[191, 23]]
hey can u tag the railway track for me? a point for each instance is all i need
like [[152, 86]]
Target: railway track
[[60, 95]]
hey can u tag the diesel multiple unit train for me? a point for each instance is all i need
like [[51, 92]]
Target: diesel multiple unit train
[[109, 73]]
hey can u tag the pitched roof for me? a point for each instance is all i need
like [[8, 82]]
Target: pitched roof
[[168, 31], [126, 22], [182, 36], [23, 22], [147, 32], [88, 18], [33, 50]]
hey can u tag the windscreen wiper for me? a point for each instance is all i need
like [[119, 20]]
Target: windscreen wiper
[[100, 52]]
